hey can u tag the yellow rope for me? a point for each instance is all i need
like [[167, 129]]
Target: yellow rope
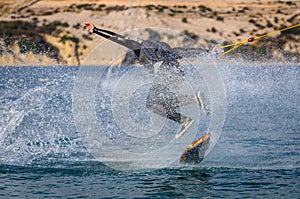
[[251, 39]]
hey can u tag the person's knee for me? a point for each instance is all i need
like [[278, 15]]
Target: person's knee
[[157, 108]]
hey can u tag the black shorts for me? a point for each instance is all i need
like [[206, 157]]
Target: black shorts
[[164, 102]]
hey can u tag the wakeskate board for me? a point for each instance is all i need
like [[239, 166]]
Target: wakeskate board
[[195, 152]]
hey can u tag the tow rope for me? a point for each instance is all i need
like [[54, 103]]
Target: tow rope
[[251, 39]]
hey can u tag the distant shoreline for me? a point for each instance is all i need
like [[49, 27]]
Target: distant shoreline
[[207, 23]]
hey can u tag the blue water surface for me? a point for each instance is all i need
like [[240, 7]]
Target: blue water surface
[[43, 156]]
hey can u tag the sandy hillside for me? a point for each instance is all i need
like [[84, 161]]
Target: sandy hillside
[[208, 23]]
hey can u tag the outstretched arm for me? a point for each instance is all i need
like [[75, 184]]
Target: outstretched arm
[[119, 39]]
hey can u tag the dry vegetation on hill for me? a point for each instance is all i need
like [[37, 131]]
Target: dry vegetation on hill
[[50, 32]]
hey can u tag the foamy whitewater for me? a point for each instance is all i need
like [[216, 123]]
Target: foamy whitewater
[[85, 132]]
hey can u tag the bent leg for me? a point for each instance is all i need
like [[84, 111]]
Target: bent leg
[[198, 98], [186, 100], [163, 102], [166, 112]]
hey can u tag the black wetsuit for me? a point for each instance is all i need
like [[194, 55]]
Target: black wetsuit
[[168, 74], [161, 98]]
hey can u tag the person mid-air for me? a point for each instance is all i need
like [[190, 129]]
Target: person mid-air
[[161, 60]]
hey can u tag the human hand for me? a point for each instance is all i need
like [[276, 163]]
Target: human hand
[[90, 26]]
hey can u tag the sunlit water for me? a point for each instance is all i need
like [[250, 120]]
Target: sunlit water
[[43, 155]]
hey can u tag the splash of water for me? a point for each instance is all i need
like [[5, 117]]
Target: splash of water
[[35, 125]]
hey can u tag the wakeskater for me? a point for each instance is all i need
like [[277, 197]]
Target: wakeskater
[[161, 60]]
